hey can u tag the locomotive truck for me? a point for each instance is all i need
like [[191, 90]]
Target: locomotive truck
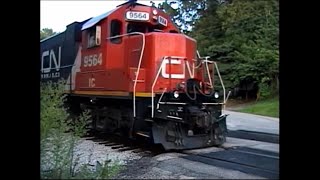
[[140, 77]]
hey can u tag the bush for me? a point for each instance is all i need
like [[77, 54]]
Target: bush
[[265, 91], [58, 157]]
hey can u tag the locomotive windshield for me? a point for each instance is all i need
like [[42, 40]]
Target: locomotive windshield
[[136, 27], [144, 28]]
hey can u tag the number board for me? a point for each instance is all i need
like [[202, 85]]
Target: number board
[[162, 21], [140, 16], [92, 60]]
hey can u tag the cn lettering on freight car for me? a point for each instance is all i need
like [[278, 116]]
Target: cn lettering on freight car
[[52, 56], [92, 60]]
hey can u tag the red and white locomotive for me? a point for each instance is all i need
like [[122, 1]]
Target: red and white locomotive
[[140, 77]]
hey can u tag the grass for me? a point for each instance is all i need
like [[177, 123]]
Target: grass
[[268, 107]]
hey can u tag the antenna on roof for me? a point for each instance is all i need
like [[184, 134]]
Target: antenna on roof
[[153, 4], [132, 3]]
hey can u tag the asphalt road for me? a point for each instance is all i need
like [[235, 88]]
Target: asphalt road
[[250, 122]]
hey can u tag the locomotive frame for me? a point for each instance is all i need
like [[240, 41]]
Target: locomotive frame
[[166, 93]]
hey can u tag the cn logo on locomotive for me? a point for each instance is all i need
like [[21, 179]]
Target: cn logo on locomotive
[[52, 56], [174, 76]]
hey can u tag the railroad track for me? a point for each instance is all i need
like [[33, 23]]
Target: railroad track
[[140, 145], [122, 144], [247, 160]]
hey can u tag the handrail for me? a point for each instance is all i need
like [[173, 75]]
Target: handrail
[[221, 81], [164, 90], [153, 84], [207, 68], [139, 65], [224, 90]]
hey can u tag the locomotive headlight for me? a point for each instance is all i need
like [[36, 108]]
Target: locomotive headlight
[[176, 94], [216, 95], [155, 12]]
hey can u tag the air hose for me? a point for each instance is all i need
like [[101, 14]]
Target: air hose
[[195, 87]]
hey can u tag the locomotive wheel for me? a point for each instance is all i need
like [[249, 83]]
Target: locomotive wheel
[[126, 122]]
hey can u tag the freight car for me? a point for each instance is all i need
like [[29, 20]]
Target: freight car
[[140, 77]]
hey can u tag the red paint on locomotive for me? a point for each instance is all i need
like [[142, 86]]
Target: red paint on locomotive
[[112, 64]]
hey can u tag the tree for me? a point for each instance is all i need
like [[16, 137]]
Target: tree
[[46, 32], [187, 12], [250, 42], [241, 35]]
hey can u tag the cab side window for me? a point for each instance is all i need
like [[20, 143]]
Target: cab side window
[[91, 37], [115, 30], [93, 34]]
